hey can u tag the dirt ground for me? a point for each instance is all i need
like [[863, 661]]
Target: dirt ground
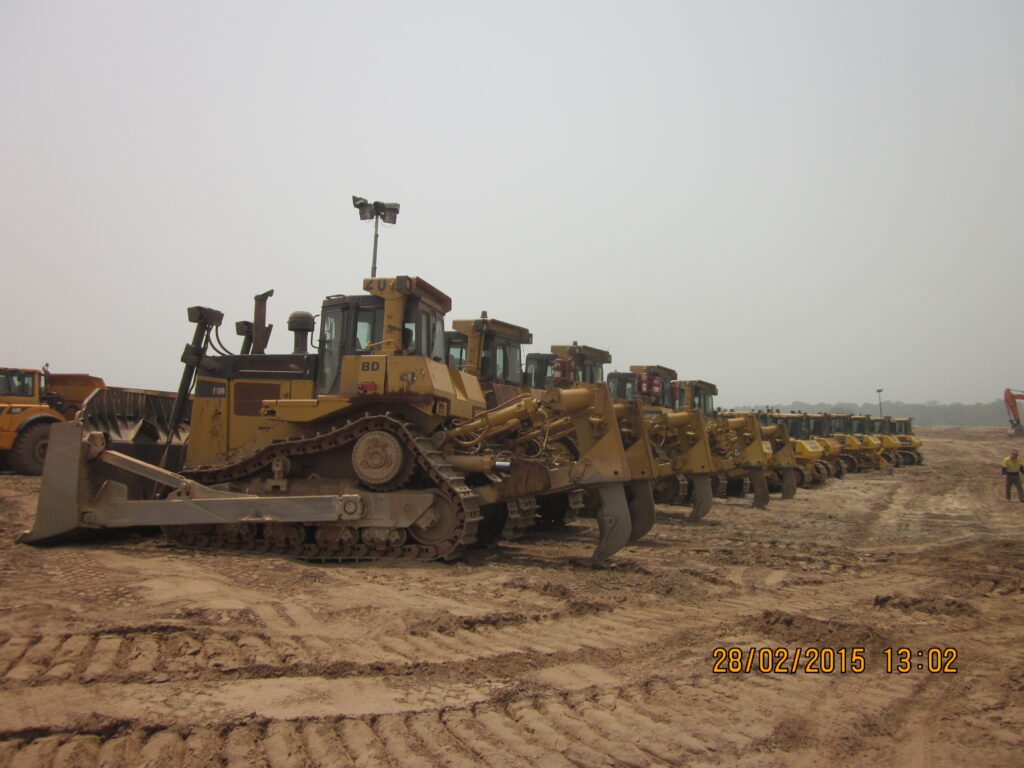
[[129, 651]]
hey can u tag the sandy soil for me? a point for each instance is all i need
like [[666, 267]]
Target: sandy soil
[[132, 652]]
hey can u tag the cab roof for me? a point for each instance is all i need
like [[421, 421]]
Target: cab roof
[[485, 324], [598, 355], [659, 370]]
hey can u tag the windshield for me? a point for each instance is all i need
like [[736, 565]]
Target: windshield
[[622, 385], [17, 383], [539, 370], [457, 352], [502, 360], [590, 371], [704, 401], [369, 328]]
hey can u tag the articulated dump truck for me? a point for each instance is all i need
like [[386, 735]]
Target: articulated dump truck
[[372, 447], [30, 401]]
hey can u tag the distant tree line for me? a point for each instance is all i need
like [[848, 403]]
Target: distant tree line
[[929, 414]]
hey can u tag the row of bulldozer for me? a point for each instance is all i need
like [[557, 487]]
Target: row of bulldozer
[[394, 438]]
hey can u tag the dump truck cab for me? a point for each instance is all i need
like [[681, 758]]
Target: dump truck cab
[[30, 401]]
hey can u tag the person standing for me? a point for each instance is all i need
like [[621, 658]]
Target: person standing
[[1012, 470]]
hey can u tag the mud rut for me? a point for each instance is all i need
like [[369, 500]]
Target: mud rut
[[132, 652]]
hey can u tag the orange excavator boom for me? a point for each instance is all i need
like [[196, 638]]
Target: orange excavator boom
[[1010, 398]]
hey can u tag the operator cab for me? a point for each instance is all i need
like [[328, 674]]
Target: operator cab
[[696, 394], [657, 384], [19, 383], [795, 425], [622, 384], [903, 426], [841, 423], [566, 365], [358, 325], [819, 424], [540, 370]]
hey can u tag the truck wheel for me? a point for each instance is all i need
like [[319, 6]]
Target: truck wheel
[[29, 450]]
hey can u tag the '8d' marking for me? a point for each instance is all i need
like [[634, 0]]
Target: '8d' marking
[[369, 366]]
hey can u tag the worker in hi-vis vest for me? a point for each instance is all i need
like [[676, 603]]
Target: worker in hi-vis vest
[[1011, 470]]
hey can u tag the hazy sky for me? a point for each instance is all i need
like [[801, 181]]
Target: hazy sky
[[795, 200]]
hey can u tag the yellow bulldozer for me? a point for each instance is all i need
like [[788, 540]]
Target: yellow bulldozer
[[899, 445], [688, 467], [371, 447], [491, 349], [771, 445], [735, 440], [902, 428], [815, 464], [839, 449], [867, 450]]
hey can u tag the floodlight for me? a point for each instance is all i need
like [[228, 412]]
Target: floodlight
[[390, 214], [376, 211]]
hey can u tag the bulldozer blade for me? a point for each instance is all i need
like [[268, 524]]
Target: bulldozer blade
[[759, 484], [641, 509], [788, 482], [702, 496], [612, 522], [57, 512]]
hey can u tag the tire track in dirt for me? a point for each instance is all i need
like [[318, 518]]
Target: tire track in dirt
[[630, 724], [165, 651], [619, 673]]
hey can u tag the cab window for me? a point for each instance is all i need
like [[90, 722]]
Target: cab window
[[437, 337], [704, 401], [508, 361], [500, 362], [17, 383], [457, 353], [539, 372], [369, 328], [330, 352], [591, 372]]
